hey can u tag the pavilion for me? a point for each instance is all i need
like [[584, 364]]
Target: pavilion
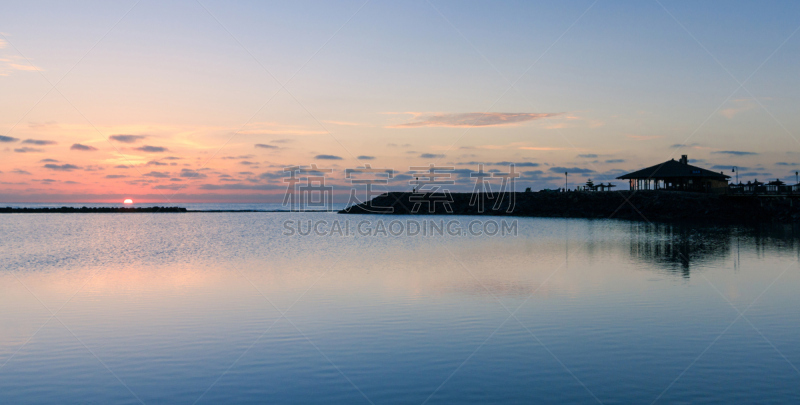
[[677, 175]]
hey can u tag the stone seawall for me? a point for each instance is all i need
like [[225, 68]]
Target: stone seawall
[[88, 210], [659, 206]]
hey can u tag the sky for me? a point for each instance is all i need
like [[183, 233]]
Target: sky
[[203, 101]]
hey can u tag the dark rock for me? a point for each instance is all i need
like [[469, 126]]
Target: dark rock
[[69, 210], [651, 206]]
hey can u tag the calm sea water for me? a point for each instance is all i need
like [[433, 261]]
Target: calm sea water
[[226, 308]]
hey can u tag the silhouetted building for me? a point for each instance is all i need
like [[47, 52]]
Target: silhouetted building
[[755, 187], [677, 175], [778, 186]]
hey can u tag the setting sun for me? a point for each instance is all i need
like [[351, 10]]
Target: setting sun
[[128, 201]]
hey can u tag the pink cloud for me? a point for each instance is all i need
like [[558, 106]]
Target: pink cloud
[[472, 119]]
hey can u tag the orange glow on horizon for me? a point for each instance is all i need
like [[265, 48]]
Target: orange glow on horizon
[[128, 201]]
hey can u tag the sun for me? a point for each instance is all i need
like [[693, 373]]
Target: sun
[[128, 201]]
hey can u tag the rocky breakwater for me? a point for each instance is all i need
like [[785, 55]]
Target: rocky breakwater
[[88, 210], [658, 206]]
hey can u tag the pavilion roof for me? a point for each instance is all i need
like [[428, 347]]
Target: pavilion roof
[[673, 169]]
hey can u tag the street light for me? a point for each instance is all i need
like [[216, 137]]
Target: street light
[[566, 181], [737, 173]]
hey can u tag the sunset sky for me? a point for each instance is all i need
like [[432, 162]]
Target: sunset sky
[[209, 101]]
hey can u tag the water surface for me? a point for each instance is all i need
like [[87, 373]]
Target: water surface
[[223, 307]]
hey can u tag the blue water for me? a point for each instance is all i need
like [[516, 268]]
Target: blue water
[[226, 308]]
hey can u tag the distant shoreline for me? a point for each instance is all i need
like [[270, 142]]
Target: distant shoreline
[[124, 210], [643, 205]]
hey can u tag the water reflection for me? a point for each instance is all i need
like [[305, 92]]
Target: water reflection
[[679, 248]]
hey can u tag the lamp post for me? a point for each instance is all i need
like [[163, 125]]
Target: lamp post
[[566, 182], [737, 174], [795, 178]]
